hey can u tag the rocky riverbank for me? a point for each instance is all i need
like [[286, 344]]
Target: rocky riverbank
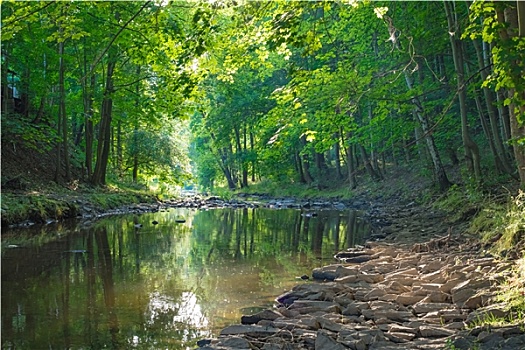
[[426, 296]]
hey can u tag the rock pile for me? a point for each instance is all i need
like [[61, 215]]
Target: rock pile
[[383, 297]]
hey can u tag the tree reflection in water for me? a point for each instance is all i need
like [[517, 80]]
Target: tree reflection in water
[[115, 285]]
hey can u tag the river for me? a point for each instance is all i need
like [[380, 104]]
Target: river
[[151, 281]]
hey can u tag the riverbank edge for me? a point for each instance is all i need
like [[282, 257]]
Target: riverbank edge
[[392, 220], [435, 295]]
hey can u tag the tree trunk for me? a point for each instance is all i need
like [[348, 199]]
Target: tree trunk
[[104, 145], [471, 148], [517, 128], [252, 148], [349, 152], [88, 119], [368, 165], [439, 171], [243, 160], [62, 108], [299, 165], [492, 112], [337, 156]]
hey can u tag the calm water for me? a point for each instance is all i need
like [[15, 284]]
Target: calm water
[[112, 285]]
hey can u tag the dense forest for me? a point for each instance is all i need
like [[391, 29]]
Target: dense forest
[[229, 93]]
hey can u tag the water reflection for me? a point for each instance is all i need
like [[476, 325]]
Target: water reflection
[[120, 285]]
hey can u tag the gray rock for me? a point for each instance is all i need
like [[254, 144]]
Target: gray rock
[[235, 343], [324, 342], [263, 315], [408, 299], [374, 294], [423, 308], [400, 337], [253, 331], [434, 332], [462, 343], [514, 343]]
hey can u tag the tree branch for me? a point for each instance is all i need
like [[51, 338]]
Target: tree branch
[[27, 15], [97, 60]]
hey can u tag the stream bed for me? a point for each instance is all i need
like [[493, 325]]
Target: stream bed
[[159, 280]]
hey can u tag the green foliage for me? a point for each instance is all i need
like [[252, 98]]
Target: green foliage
[[16, 129], [512, 292], [38, 208]]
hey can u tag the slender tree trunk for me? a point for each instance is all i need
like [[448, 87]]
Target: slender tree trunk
[[471, 148], [492, 111], [62, 109], [337, 156], [349, 152], [119, 148], [299, 165], [504, 114], [439, 171], [88, 91], [368, 164], [252, 148], [104, 145], [517, 128], [58, 167], [239, 154], [306, 163], [243, 159]]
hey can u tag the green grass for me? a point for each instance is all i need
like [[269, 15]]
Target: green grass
[[58, 202]]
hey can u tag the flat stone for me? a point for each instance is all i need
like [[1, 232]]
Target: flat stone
[[431, 276], [423, 308], [473, 302], [235, 342], [263, 315], [354, 344], [408, 263], [399, 337], [448, 285], [431, 287], [388, 297], [325, 342], [408, 299], [325, 273], [402, 273], [381, 305], [370, 277], [250, 330], [321, 305], [347, 279], [374, 294], [437, 297], [431, 267], [328, 324], [403, 329], [342, 271], [394, 315], [387, 345], [459, 297], [397, 287], [434, 332]]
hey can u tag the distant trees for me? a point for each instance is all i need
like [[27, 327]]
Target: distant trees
[[363, 85]]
